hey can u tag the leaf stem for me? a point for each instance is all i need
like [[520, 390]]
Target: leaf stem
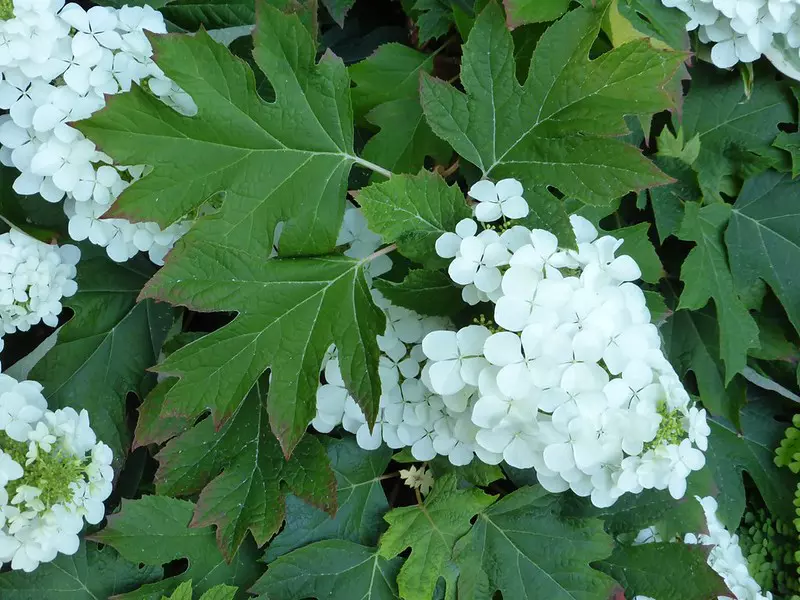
[[372, 166], [381, 252], [10, 224]]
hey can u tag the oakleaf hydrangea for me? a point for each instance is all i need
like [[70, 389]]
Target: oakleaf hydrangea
[[54, 475], [57, 64], [567, 378]]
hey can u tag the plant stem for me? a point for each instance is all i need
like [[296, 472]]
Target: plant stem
[[10, 224], [371, 166], [381, 252]]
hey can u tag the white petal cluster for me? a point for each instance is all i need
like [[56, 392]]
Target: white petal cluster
[[725, 557], [54, 475], [34, 276], [573, 382], [743, 30], [57, 63]]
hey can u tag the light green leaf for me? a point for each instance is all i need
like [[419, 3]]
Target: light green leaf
[[155, 530], [338, 9], [706, 275], [732, 453], [665, 571], [219, 592], [791, 143], [528, 549], [240, 470], [323, 300], [360, 499], [413, 211], [391, 73], [691, 342], [427, 292], [558, 128], [405, 139], [430, 530], [520, 12], [657, 306], [89, 574], [763, 238], [102, 352], [330, 570], [736, 132], [653, 19]]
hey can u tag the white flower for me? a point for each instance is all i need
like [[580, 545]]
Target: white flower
[[697, 428], [449, 243], [458, 357], [477, 261], [503, 199]]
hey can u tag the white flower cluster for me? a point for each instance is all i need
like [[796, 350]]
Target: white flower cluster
[[34, 276], [743, 30], [725, 558], [54, 474], [573, 382], [57, 63]]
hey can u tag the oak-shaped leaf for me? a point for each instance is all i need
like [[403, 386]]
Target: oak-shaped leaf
[[431, 530], [285, 161], [558, 128], [527, 547], [239, 471], [89, 574], [333, 570], [155, 530], [706, 275]]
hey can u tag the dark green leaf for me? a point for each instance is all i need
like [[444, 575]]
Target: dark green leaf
[[102, 352], [791, 143], [89, 574], [665, 571], [155, 530], [520, 12], [427, 292], [240, 470], [360, 498], [330, 570], [668, 200], [527, 548], [638, 246], [338, 9]]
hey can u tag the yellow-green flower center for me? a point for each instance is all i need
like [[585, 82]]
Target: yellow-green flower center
[[6, 10], [670, 430]]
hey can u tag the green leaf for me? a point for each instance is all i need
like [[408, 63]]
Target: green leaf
[[668, 200], [155, 530], [405, 139], [524, 543], [435, 17], [548, 212], [650, 508], [391, 73], [691, 341], [430, 530], [270, 162], [240, 469], [638, 246], [426, 292], [520, 12], [706, 275], [664, 570], [736, 132], [333, 570], [210, 14], [791, 143], [321, 300], [219, 592], [731, 453], [154, 425], [89, 574], [360, 499], [558, 128], [657, 306], [102, 352], [413, 211], [763, 238], [338, 9]]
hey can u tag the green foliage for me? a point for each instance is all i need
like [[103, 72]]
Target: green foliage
[[332, 569], [524, 542], [424, 291], [239, 471], [788, 453], [89, 574], [769, 545], [101, 354], [664, 570], [558, 128], [519, 12], [155, 530], [430, 530], [219, 592]]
